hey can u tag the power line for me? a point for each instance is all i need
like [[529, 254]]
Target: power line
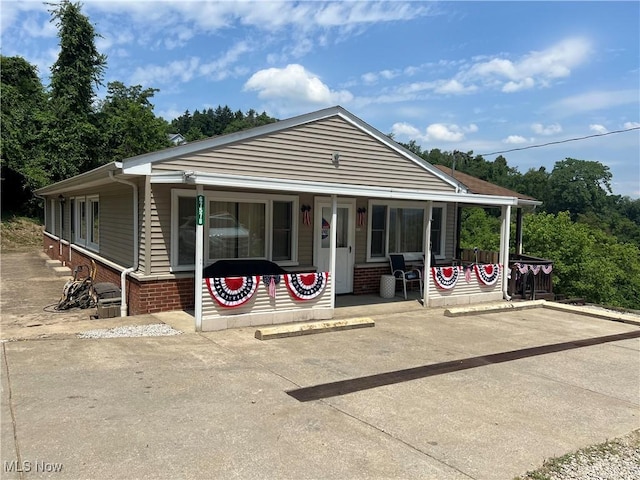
[[559, 141]]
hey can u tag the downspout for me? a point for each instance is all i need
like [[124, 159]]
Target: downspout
[[123, 276]]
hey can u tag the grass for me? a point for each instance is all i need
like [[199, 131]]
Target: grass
[[20, 234], [552, 467]]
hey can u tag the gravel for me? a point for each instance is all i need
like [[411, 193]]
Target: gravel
[[614, 460], [153, 330]]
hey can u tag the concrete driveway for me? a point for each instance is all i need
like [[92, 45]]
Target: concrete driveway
[[430, 397]]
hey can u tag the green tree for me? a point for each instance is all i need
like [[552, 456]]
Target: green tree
[[127, 123], [588, 263], [533, 183], [479, 229], [73, 138], [23, 112], [579, 186]]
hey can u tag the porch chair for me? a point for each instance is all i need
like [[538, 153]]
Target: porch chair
[[399, 270]]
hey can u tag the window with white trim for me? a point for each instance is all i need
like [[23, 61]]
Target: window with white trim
[[236, 226], [87, 221], [398, 227]]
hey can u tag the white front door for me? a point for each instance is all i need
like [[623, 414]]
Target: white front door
[[345, 253]]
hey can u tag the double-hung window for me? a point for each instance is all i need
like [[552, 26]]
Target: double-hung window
[[236, 227], [398, 227], [87, 221]]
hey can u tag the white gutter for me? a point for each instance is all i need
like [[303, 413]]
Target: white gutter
[[123, 276]]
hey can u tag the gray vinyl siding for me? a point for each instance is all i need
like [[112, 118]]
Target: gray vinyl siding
[[305, 152], [305, 232], [450, 233], [160, 229], [116, 223]]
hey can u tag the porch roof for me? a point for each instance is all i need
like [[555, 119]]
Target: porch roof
[[482, 187], [346, 190]]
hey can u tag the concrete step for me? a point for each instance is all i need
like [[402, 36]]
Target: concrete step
[[53, 263], [62, 271], [296, 329]]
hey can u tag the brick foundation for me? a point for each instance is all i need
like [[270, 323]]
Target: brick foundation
[[366, 280], [151, 296]]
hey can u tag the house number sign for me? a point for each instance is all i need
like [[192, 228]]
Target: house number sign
[[200, 210]]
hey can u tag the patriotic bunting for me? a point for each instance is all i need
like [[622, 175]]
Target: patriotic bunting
[[445, 278], [488, 273], [306, 286], [535, 269], [232, 291]]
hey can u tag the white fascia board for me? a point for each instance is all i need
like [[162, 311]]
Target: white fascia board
[[522, 202], [141, 169], [91, 178], [297, 186]]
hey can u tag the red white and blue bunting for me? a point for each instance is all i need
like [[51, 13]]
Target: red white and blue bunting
[[535, 269], [445, 278], [487, 273], [306, 286], [232, 292]]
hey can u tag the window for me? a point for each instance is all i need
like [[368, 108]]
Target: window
[[236, 226], [87, 222], [237, 230], [82, 221], [51, 217], [186, 251], [282, 237], [399, 228], [437, 242], [378, 230], [406, 230], [94, 230]]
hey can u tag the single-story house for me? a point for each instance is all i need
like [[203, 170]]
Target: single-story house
[[268, 225]]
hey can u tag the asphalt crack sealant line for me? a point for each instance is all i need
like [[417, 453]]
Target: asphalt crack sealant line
[[11, 409], [333, 389]]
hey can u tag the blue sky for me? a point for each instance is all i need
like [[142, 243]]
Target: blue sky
[[480, 76]]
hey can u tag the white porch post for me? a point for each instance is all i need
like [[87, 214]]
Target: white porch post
[[427, 256], [505, 232], [333, 232], [199, 262]]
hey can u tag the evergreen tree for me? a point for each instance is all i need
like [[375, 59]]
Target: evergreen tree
[[73, 139]]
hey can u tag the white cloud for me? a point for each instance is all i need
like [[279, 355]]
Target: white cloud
[[597, 100], [294, 83], [532, 69], [436, 132], [631, 125], [594, 127], [178, 71], [454, 87], [219, 69], [515, 140], [552, 129], [405, 130], [524, 84], [445, 133]]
